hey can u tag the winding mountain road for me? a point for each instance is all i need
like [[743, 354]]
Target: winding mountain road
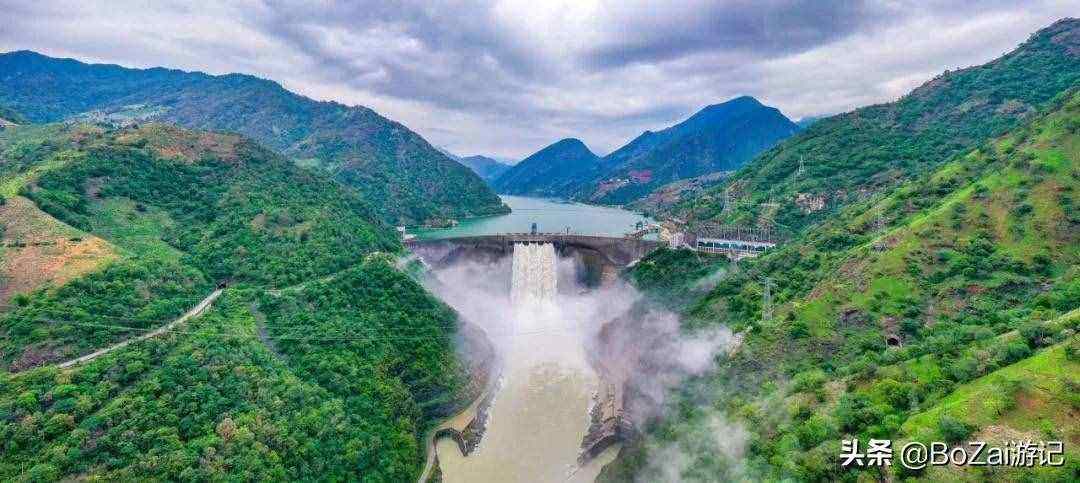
[[194, 312]]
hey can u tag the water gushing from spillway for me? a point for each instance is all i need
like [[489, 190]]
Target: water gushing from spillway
[[540, 410], [533, 283]]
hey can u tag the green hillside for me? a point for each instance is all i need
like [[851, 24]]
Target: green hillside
[[321, 358], [239, 211], [187, 209], [1036, 399], [402, 176], [890, 306], [213, 402], [870, 150]]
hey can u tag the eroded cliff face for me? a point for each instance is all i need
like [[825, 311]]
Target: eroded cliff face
[[640, 356]]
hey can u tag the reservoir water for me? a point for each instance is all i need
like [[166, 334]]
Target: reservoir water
[[540, 411], [549, 215]]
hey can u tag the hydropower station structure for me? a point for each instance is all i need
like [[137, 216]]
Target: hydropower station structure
[[534, 260], [605, 254]]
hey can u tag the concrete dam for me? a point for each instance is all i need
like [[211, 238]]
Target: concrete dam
[[601, 257]]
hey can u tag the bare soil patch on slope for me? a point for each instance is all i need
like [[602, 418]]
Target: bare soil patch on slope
[[38, 249]]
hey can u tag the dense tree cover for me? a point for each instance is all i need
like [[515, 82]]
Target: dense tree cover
[[874, 148], [375, 338], [335, 376], [402, 176], [114, 303], [677, 277], [239, 211], [207, 403], [967, 269]]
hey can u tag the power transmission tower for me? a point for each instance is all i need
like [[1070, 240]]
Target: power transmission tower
[[879, 230], [766, 300], [801, 169], [767, 218], [727, 201]]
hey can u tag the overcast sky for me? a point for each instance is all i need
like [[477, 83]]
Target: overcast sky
[[508, 77]]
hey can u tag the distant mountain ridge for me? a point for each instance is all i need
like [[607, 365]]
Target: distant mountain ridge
[[549, 171], [720, 137], [399, 173], [487, 168]]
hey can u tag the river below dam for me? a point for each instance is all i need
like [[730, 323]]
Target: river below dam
[[539, 323]]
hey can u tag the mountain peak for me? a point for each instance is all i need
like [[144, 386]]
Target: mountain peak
[[1067, 23], [27, 54], [741, 101], [16, 53], [571, 145], [711, 116], [727, 109], [544, 171], [570, 142]]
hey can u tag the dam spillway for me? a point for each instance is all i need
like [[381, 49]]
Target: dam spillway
[[534, 280], [540, 409]]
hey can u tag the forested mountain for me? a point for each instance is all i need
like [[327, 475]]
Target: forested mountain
[[721, 137], [402, 176], [852, 156], [945, 309], [488, 169], [549, 171], [321, 358], [717, 138], [931, 295], [927, 287]]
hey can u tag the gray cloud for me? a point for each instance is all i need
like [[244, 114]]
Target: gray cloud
[[509, 76], [648, 32]]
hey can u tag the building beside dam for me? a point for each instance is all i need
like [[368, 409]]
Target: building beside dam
[[734, 241]]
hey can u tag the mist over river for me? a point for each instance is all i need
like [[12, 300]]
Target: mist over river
[[539, 414], [557, 340], [540, 411]]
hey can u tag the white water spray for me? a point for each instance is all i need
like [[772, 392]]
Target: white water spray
[[541, 410], [534, 279]]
